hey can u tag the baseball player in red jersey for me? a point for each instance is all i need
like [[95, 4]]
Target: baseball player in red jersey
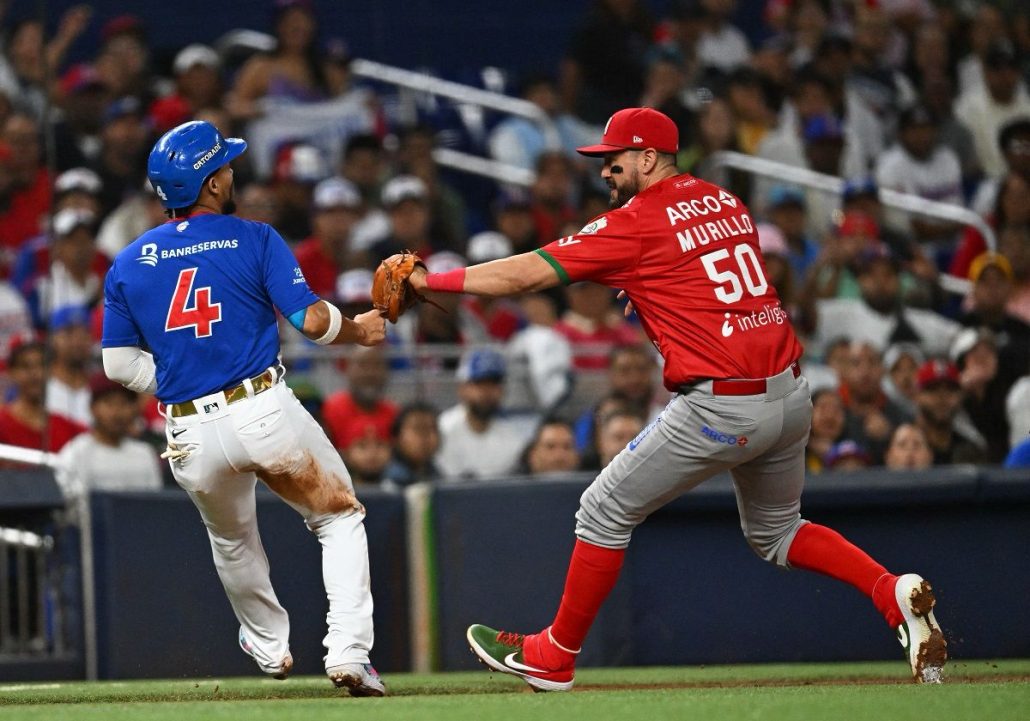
[[686, 254]]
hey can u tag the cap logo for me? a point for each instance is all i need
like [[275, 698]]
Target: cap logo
[[637, 139], [608, 124], [207, 156]]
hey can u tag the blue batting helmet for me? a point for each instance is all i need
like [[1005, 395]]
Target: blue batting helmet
[[184, 157]]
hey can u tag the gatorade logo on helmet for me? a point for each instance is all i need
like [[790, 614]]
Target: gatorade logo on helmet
[[207, 156]]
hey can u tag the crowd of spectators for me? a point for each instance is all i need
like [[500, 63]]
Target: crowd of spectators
[[923, 97]]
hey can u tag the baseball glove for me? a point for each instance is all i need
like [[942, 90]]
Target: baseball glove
[[392, 294]]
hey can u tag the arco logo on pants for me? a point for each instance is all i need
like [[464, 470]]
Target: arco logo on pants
[[720, 437]]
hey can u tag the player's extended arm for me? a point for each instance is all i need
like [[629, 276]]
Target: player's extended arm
[[323, 323], [522, 273], [131, 366]]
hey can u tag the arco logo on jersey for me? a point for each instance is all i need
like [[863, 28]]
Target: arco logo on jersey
[[729, 220]]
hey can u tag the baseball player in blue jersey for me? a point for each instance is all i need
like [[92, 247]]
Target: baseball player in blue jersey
[[200, 293]]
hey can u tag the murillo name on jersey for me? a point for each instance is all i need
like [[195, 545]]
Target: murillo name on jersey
[[686, 253]]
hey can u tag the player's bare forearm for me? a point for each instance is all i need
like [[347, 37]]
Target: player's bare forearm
[[364, 329], [522, 273]]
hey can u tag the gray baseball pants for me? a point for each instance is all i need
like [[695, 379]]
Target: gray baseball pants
[[759, 439]]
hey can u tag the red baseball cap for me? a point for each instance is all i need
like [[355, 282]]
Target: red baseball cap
[[636, 129], [937, 371]]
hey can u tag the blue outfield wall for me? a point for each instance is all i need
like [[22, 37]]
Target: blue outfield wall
[[693, 592], [162, 612]]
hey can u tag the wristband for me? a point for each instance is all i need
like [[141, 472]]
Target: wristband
[[335, 323], [453, 281]]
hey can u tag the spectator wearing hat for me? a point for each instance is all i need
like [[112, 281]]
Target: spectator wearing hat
[[124, 59], [908, 449], [478, 440], [501, 318], [83, 97], [1003, 97], [846, 456], [446, 206], [107, 458], [901, 361], [121, 164], [984, 388], [78, 189], [405, 199], [25, 194], [137, 214], [324, 255], [25, 421], [871, 416], [992, 277], [786, 211], [299, 167], [15, 321], [879, 316], [919, 165], [938, 404], [198, 85], [75, 276], [862, 194], [363, 403], [852, 242], [71, 350], [828, 418], [416, 439], [513, 218], [366, 452]]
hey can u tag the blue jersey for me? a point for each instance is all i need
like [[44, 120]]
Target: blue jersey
[[201, 294]]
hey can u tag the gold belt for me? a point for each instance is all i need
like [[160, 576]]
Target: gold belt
[[260, 384]]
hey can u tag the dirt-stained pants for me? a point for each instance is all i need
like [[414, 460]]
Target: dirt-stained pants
[[272, 437]]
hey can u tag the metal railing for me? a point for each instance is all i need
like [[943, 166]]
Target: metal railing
[[831, 184], [467, 95], [26, 593]]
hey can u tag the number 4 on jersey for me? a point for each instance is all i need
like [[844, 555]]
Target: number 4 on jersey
[[201, 316]]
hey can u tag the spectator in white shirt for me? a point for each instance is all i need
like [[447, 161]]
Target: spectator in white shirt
[[721, 45], [919, 165], [71, 346], [984, 110], [477, 439], [106, 458]]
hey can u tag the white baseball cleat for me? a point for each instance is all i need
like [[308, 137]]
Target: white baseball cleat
[[919, 634], [281, 672], [360, 679]]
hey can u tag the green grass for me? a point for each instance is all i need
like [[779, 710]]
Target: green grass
[[998, 691]]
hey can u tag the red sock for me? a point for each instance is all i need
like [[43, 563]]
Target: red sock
[[593, 571], [823, 550]]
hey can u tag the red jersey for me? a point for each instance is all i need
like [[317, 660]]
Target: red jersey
[[346, 421], [319, 269], [686, 253], [15, 433]]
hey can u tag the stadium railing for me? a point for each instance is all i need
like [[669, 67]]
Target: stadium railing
[[833, 185]]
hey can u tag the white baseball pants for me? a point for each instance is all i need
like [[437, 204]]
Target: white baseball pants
[[272, 437]]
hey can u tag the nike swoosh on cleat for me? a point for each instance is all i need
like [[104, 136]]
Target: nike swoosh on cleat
[[176, 434], [510, 662]]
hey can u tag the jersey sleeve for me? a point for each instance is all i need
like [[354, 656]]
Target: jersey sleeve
[[605, 251], [284, 280], [119, 328]]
